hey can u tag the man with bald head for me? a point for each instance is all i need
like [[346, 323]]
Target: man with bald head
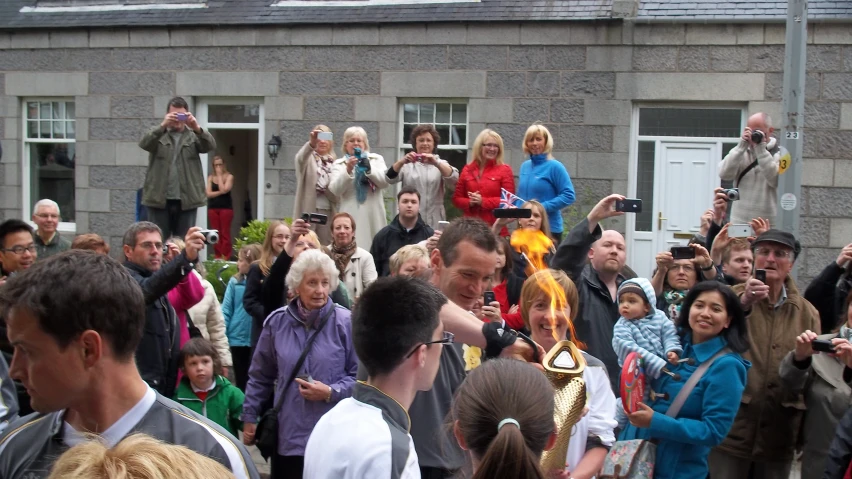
[[753, 167], [597, 281]]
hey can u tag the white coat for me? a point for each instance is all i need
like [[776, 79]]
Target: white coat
[[370, 216], [359, 273], [207, 316]]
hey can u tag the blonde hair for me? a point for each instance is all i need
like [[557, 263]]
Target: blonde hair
[[267, 255], [541, 131], [331, 142], [224, 163], [249, 252], [136, 457], [355, 131], [480, 140], [532, 290], [545, 222], [406, 254]]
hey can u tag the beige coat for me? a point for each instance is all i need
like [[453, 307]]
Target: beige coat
[[360, 272], [431, 184], [370, 216], [208, 318], [827, 398], [306, 195]]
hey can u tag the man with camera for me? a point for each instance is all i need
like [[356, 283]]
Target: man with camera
[[174, 184], [764, 435], [753, 167], [145, 255]]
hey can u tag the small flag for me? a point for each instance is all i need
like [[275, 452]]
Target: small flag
[[508, 199]]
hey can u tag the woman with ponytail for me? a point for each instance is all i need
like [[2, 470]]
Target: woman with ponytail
[[503, 415]]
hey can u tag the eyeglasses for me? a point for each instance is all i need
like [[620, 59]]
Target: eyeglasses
[[779, 253], [447, 338], [19, 250], [685, 267], [491, 145], [48, 216], [149, 245]]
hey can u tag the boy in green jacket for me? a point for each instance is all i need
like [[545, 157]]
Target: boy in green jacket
[[204, 390]]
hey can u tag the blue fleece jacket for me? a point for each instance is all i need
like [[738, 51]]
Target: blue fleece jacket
[[237, 320], [548, 182]]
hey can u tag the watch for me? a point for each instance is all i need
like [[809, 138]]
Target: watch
[[328, 398], [709, 267]]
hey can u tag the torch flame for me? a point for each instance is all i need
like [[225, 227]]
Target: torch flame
[[534, 245]]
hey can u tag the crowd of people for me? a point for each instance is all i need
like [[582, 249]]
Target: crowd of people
[[349, 348]]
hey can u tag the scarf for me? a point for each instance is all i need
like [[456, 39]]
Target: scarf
[[306, 315], [674, 299], [342, 255], [363, 184], [323, 163]]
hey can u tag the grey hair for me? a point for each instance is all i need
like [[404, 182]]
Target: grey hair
[[767, 120], [133, 231], [309, 261], [46, 202]]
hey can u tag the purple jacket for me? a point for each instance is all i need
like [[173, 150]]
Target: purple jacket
[[331, 361]]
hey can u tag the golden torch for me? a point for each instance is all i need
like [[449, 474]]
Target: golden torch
[[564, 366]]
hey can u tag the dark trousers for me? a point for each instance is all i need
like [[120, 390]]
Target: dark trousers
[[287, 467], [220, 219], [241, 357], [172, 219], [435, 473]]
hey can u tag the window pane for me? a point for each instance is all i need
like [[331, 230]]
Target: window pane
[[234, 113], [406, 132], [52, 175], [427, 113], [442, 114], [696, 122], [409, 113], [58, 111], [459, 135], [70, 131], [44, 128], [44, 111], [69, 110], [645, 185], [32, 110], [32, 129], [459, 113], [444, 131], [59, 129]]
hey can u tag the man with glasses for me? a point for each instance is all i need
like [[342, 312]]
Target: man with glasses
[[48, 241], [763, 438], [157, 354], [399, 339]]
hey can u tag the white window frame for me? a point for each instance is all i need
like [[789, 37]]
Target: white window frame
[[26, 174], [402, 142]]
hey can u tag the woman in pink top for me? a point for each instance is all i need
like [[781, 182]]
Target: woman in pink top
[[185, 295]]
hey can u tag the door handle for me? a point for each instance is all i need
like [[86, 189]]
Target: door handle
[[660, 220]]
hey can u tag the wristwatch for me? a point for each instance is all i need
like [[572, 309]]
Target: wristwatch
[[712, 265], [328, 398]]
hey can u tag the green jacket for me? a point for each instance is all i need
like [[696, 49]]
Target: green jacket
[[224, 404], [57, 244], [192, 183]]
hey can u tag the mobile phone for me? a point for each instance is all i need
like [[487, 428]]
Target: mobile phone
[[315, 218], [488, 297], [442, 225], [512, 213], [325, 135], [182, 116], [740, 231], [629, 205], [306, 377], [760, 275], [683, 252], [822, 345]]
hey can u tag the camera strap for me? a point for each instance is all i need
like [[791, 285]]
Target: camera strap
[[750, 167]]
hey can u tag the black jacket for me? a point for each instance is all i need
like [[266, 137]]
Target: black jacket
[[598, 311], [393, 237], [827, 292], [840, 452], [253, 301], [158, 352]]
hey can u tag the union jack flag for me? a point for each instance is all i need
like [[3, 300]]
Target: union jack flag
[[509, 200]]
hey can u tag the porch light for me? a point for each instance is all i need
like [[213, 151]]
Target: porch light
[[272, 147]]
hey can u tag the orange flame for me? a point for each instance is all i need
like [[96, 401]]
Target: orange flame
[[534, 244]]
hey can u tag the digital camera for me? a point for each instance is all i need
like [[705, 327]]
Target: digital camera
[[210, 236], [757, 136], [733, 194]]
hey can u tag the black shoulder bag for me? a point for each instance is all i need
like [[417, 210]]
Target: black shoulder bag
[[266, 435]]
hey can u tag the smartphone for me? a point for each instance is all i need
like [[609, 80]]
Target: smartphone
[[306, 377], [488, 297], [683, 252], [325, 135], [442, 225], [512, 213], [629, 205], [182, 116], [822, 345], [760, 275], [740, 231], [315, 218]]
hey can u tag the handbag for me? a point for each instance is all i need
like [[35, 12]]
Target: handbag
[[266, 434], [634, 459]]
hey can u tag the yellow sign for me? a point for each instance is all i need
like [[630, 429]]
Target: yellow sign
[[784, 162]]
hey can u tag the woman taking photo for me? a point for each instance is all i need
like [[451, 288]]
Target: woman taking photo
[[427, 172], [545, 178], [592, 436], [355, 265], [254, 298], [481, 181], [327, 374], [358, 185], [220, 207], [711, 322], [313, 175], [675, 277]]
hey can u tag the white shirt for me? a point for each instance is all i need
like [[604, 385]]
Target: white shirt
[[121, 428]]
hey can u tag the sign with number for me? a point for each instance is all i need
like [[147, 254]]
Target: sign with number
[[784, 161], [792, 135]]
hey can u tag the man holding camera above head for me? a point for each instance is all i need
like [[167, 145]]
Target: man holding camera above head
[[157, 354], [174, 184], [753, 167], [764, 435]]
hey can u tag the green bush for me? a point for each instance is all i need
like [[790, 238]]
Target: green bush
[[216, 269], [253, 233]]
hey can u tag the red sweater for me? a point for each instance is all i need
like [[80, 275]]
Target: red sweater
[[513, 320], [494, 177]]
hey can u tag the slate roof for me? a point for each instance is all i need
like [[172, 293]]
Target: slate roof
[[259, 12], [738, 10]]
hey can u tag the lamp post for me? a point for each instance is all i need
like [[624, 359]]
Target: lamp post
[[272, 147]]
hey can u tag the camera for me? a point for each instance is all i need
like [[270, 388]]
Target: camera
[[757, 136], [165, 249], [418, 157], [733, 194], [182, 116], [210, 236], [315, 218], [363, 160]]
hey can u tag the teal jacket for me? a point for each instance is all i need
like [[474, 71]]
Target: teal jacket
[[237, 319], [223, 405], [704, 420]]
